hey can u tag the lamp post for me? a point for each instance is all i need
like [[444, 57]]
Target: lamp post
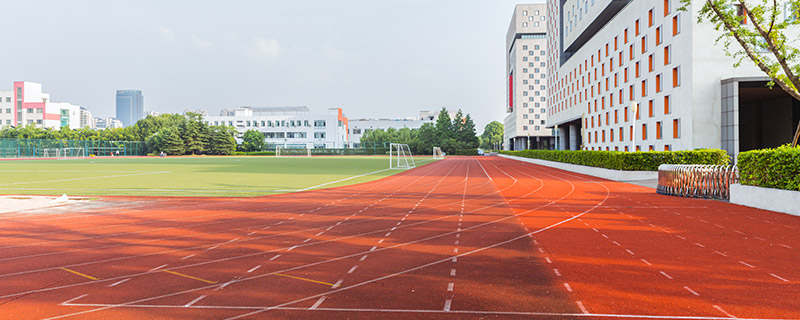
[[635, 109]]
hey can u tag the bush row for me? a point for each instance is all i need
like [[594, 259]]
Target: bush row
[[466, 152], [254, 153], [630, 161], [771, 168]]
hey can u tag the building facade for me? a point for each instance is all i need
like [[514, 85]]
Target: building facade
[[358, 127], [130, 106], [526, 70], [643, 75], [290, 127], [26, 104]]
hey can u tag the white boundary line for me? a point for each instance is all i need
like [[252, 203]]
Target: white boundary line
[[85, 178]]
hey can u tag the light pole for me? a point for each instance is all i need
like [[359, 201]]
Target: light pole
[[635, 107]]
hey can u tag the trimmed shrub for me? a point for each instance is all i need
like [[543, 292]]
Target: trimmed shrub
[[466, 152], [777, 168], [630, 161], [254, 153]]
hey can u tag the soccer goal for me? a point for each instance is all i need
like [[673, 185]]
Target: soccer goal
[[437, 153], [400, 156], [281, 151], [72, 153]]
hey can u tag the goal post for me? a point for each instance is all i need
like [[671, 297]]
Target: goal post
[[76, 153], [51, 153], [437, 153], [281, 151], [400, 156]]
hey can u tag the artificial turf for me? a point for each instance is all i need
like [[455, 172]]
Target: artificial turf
[[187, 176]]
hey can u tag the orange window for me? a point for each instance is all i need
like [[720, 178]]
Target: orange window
[[666, 55], [658, 130], [611, 134], [638, 148], [615, 44], [637, 69], [676, 77], [621, 136], [630, 52], [666, 7], [650, 63], [603, 69], [602, 103], [590, 138], [644, 88], [650, 18], [675, 27], [604, 136], [616, 80], [610, 104], [607, 122], [620, 58], [595, 136], [658, 35], [676, 128], [611, 64], [606, 50], [620, 96], [625, 114], [666, 104], [625, 74], [644, 44], [616, 116], [592, 122], [650, 148], [666, 147], [637, 112], [626, 148], [606, 84], [625, 35], [658, 83], [630, 93], [637, 27], [650, 108], [644, 131], [631, 133]]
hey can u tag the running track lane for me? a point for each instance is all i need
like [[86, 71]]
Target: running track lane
[[461, 238]]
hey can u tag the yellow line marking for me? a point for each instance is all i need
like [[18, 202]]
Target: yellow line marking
[[78, 273], [304, 279], [190, 277]]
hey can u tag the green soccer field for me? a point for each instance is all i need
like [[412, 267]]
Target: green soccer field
[[189, 176]]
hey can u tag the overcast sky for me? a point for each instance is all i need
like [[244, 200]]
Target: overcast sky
[[373, 58]]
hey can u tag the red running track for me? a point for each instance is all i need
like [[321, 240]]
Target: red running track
[[467, 237]]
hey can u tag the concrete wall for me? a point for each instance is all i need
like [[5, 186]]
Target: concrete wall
[[785, 201], [616, 175]]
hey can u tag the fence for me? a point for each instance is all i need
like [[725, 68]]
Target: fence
[[34, 148], [698, 181]]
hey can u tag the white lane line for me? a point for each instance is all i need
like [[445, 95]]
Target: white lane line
[[747, 264], [118, 282], [319, 233], [225, 285], [212, 248], [453, 272], [665, 274], [617, 243], [450, 286], [234, 239], [541, 250], [319, 302], [548, 260], [159, 267], [647, 262], [690, 290], [387, 234], [604, 235], [457, 242], [558, 273], [760, 238], [336, 285], [328, 228], [779, 277], [187, 257], [345, 179], [254, 268], [393, 229], [681, 237], [583, 309], [785, 246], [363, 258], [699, 245], [251, 233], [380, 241], [447, 304], [455, 250], [292, 248], [194, 301], [720, 253], [723, 311], [455, 259], [275, 257], [631, 252], [353, 269], [719, 226], [73, 299], [566, 285], [737, 231], [373, 248], [595, 230]]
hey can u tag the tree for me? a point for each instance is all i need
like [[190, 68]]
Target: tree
[[760, 29], [444, 127], [172, 142], [467, 135], [194, 133], [221, 140], [252, 140], [492, 135]]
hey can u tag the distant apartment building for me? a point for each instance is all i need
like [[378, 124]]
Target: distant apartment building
[[290, 127], [26, 104], [107, 123], [87, 121], [130, 106], [358, 127], [526, 71], [643, 75]]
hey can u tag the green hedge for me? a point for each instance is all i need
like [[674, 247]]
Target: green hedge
[[771, 168], [631, 161], [254, 153], [466, 152]]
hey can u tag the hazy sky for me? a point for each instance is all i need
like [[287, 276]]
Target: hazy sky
[[373, 58]]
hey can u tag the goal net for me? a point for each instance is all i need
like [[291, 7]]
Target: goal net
[[400, 156], [75, 153], [51, 153], [281, 151], [437, 153]]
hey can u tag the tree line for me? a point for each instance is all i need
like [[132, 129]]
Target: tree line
[[451, 135], [173, 134]]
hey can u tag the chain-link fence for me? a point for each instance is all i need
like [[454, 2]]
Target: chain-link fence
[[43, 148]]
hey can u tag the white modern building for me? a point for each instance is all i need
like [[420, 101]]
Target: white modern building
[[643, 75], [107, 123], [290, 127], [526, 71], [26, 104], [87, 121], [358, 127]]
